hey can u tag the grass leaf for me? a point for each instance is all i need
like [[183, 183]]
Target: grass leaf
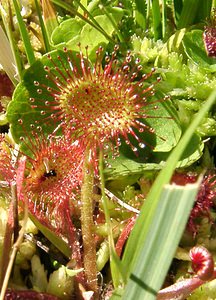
[[24, 34], [139, 237], [162, 240]]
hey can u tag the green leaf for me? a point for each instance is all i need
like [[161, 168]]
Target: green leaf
[[24, 34], [59, 243], [188, 13], [163, 134], [140, 13], [124, 168], [134, 257], [191, 154], [157, 22], [167, 130], [67, 30], [164, 233], [195, 50], [20, 106], [178, 4], [73, 31]]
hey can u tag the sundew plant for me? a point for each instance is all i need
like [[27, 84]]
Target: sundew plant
[[107, 149]]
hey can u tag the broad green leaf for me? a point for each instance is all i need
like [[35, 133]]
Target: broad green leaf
[[124, 168], [195, 50], [67, 30], [91, 37], [71, 32], [167, 130], [191, 154]]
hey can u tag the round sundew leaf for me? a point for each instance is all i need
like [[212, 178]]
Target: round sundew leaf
[[20, 108], [162, 118], [166, 126], [195, 50]]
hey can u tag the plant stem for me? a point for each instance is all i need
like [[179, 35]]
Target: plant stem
[[87, 225], [15, 246], [115, 264]]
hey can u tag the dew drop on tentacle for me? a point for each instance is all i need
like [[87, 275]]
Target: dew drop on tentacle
[[39, 91], [142, 145], [36, 83], [39, 128], [46, 68], [134, 149]]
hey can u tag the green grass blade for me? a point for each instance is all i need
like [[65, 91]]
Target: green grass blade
[[163, 237], [140, 231], [178, 5], [49, 17], [140, 13], [157, 22], [6, 57], [43, 28], [7, 19], [24, 34], [188, 14], [204, 11], [164, 18]]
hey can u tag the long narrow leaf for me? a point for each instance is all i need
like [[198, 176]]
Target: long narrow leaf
[[166, 229], [6, 15], [140, 13], [204, 11], [157, 23], [138, 237], [164, 18], [178, 5], [6, 57], [188, 13], [43, 28], [24, 35]]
